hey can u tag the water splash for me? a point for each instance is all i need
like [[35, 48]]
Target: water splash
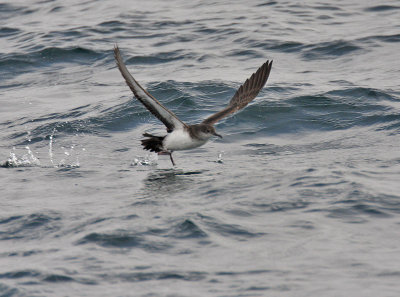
[[31, 157], [51, 147], [148, 160], [220, 160], [28, 136], [26, 160], [69, 153]]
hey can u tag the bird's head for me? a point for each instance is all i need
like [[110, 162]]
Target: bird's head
[[206, 131]]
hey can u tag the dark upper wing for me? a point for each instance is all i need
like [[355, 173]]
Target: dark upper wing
[[170, 120], [245, 94]]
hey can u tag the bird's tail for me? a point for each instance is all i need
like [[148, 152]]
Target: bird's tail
[[153, 143]]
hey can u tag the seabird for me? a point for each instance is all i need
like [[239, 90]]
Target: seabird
[[181, 136]]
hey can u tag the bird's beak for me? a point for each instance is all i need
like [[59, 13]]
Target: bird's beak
[[216, 134]]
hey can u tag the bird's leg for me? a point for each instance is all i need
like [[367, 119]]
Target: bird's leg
[[167, 153], [172, 160]]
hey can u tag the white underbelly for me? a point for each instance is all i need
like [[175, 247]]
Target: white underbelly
[[179, 140]]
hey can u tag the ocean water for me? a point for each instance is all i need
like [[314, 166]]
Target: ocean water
[[300, 198]]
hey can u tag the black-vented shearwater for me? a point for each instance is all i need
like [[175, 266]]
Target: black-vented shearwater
[[181, 136]]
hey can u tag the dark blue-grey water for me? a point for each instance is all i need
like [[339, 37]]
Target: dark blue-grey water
[[300, 198]]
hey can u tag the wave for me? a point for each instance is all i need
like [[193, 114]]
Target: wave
[[391, 38], [10, 10], [160, 58], [22, 226], [38, 61], [290, 112], [332, 110], [313, 51], [379, 8], [33, 276], [49, 55], [328, 49], [6, 31], [120, 238]]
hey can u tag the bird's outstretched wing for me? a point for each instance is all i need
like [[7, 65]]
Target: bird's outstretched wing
[[170, 120], [245, 94]]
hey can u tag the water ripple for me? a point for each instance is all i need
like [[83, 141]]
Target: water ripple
[[123, 240], [32, 226]]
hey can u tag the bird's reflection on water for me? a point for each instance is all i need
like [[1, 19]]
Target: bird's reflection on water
[[167, 182]]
